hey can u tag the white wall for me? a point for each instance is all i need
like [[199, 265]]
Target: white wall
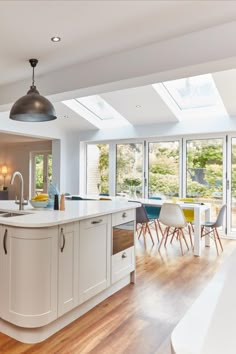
[[17, 158]]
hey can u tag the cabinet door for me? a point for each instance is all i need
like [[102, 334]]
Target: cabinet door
[[122, 264], [28, 275], [68, 267], [94, 256]]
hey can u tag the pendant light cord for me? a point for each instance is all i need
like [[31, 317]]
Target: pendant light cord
[[33, 77]]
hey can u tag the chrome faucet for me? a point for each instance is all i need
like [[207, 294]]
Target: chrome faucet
[[21, 201]]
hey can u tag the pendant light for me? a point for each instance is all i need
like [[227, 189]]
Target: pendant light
[[33, 107]]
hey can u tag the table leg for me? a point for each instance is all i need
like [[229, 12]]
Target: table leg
[[197, 232]]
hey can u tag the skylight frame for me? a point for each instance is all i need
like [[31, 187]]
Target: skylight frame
[[86, 112], [191, 113]]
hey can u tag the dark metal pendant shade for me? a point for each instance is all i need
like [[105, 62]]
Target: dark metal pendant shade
[[33, 107]]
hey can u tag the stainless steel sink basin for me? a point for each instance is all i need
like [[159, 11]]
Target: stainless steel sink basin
[[11, 214]]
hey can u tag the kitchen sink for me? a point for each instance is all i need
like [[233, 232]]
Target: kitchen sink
[[11, 214]]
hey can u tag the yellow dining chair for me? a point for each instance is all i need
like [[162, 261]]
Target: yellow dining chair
[[189, 216]]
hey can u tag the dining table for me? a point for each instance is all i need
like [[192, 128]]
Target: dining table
[[200, 209]]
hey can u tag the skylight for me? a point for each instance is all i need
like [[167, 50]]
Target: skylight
[[97, 111], [192, 96]]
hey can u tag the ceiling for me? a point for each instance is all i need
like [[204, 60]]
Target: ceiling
[[94, 32]]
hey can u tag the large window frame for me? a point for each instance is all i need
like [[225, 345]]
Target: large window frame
[[182, 166]]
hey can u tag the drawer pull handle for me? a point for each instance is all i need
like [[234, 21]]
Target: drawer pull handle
[[64, 240], [96, 221], [124, 215], [124, 255], [4, 242]]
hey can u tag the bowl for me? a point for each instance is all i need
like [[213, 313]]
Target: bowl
[[39, 203]]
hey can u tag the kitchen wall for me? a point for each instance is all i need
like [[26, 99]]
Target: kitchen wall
[[16, 156]]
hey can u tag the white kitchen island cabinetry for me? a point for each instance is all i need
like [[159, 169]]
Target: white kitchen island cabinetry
[[68, 257], [28, 275], [56, 265], [94, 256]]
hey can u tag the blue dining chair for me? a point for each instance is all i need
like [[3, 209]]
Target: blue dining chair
[[153, 213]]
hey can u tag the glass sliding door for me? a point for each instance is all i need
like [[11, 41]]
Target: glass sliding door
[[204, 171], [129, 169], [163, 169], [97, 181]]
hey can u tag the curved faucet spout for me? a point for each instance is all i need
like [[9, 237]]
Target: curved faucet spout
[[21, 201]]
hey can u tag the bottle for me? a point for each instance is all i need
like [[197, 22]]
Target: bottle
[[56, 202], [62, 202]]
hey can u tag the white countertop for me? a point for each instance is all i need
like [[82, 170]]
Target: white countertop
[[209, 326], [74, 211]]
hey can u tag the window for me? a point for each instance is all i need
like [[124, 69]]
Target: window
[[204, 179], [129, 169], [163, 169], [97, 169], [41, 171]]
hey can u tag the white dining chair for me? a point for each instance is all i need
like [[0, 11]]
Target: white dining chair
[[210, 227], [172, 217]]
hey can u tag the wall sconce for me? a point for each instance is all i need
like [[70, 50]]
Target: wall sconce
[[4, 173]]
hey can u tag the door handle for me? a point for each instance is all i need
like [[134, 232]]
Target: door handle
[[64, 240], [5, 241], [96, 221]]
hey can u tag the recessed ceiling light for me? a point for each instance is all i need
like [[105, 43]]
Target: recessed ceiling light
[[56, 39]]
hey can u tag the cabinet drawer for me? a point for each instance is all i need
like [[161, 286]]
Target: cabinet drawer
[[123, 216], [100, 220], [122, 264]]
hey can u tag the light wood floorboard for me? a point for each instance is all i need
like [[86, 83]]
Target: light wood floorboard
[[138, 319]]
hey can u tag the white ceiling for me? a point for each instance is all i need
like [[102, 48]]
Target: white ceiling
[[93, 31]]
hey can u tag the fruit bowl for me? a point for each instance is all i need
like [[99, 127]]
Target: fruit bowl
[[39, 203]]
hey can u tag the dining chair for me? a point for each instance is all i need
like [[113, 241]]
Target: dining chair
[[142, 223], [172, 217], [189, 216], [153, 213], [213, 226]]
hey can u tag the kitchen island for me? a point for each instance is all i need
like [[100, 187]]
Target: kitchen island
[[57, 265]]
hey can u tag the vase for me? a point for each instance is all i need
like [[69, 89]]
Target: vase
[[132, 192]]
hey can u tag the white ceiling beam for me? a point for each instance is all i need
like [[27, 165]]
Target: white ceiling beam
[[208, 50]]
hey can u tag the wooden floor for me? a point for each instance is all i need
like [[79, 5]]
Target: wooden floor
[[138, 319]]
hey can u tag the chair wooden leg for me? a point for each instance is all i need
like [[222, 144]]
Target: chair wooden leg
[[159, 224], [173, 235], [140, 233], [180, 242], [218, 237], [182, 232], [155, 223], [167, 234], [214, 236], [149, 231], [141, 230], [163, 237], [202, 231]]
